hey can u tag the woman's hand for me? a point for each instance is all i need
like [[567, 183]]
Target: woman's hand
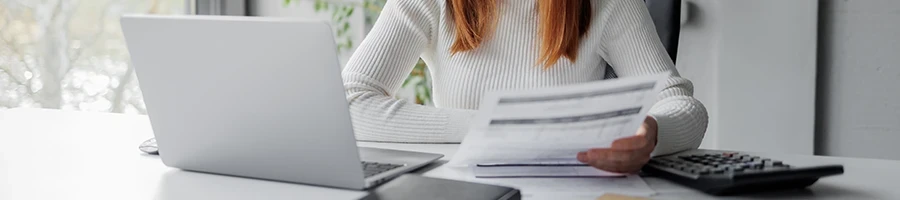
[[626, 155]]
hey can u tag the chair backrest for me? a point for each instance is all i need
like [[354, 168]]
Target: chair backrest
[[666, 15]]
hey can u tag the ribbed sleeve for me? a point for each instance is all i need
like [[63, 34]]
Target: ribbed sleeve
[[632, 48], [377, 69], [622, 33]]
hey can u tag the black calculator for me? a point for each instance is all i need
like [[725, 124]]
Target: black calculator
[[728, 173]]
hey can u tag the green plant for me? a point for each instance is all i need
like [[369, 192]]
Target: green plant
[[374, 9], [340, 15], [419, 79]]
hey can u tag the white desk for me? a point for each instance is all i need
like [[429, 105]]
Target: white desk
[[50, 154]]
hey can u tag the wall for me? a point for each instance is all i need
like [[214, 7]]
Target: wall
[[753, 65], [697, 48], [859, 79]]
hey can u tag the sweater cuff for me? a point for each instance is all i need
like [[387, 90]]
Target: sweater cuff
[[458, 126], [668, 140]]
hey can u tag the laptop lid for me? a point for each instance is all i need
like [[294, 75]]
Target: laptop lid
[[246, 96]]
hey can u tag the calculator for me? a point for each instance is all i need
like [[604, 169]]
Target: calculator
[[729, 173]]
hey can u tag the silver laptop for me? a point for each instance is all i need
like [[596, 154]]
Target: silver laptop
[[254, 97]]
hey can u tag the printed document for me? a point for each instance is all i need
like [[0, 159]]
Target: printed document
[[549, 126], [558, 187], [541, 171], [571, 188]]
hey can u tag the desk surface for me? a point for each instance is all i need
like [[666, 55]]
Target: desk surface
[[50, 154]]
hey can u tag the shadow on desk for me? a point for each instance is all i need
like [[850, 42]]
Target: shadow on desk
[[819, 190], [186, 185], [178, 184], [429, 167]]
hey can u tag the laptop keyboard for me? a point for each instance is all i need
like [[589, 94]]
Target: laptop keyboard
[[373, 168]]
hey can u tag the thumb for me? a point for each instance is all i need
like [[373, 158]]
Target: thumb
[[642, 130], [582, 157]]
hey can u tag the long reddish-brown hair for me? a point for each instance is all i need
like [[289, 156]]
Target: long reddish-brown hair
[[561, 25]]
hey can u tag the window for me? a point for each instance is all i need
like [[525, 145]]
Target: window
[[351, 20], [71, 55]]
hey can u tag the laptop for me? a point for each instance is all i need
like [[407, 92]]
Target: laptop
[[254, 97]]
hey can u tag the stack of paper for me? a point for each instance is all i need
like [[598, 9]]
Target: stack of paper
[[555, 188], [631, 185], [520, 135], [551, 125]]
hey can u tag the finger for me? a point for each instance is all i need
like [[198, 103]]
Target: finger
[[620, 161], [631, 142], [582, 157], [622, 166], [642, 130], [618, 167], [609, 155], [598, 154]]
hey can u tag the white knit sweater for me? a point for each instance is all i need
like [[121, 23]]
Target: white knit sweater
[[621, 34]]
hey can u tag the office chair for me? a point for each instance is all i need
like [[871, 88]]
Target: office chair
[[666, 15]]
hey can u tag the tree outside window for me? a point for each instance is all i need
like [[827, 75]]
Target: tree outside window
[[70, 54]]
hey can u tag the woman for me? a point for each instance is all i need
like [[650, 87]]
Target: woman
[[477, 46]]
